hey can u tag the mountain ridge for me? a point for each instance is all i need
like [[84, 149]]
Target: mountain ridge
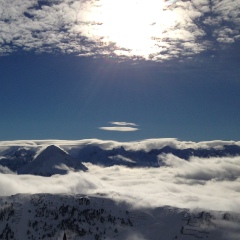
[[23, 159]]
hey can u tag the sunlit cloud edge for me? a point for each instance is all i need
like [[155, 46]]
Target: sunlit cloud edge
[[119, 129]]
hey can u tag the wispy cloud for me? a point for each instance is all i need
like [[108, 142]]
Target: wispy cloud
[[123, 123], [145, 145], [197, 183], [5, 170], [71, 183], [174, 29], [200, 183]]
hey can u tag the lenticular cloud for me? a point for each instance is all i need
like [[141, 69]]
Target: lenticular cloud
[[119, 129]]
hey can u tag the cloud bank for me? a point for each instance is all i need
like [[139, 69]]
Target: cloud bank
[[209, 183], [169, 30], [199, 183], [145, 145], [71, 183]]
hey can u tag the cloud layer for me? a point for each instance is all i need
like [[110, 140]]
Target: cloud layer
[[172, 29], [202, 183], [210, 183], [145, 145]]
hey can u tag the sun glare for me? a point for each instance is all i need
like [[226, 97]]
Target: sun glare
[[133, 25]]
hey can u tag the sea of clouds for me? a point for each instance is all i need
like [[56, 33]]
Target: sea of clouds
[[209, 183]]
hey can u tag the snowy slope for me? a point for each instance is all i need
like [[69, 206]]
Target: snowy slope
[[193, 172], [50, 161], [46, 216], [16, 157]]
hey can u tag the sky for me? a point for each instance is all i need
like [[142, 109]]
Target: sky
[[121, 70]]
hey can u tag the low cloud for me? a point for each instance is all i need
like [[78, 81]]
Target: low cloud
[[5, 170], [145, 145], [197, 183], [206, 169], [70, 183], [206, 187]]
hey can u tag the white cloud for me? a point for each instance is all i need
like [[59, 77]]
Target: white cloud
[[225, 40], [146, 145], [119, 129], [123, 123], [197, 183], [217, 169], [5, 170], [174, 185], [71, 183], [91, 27]]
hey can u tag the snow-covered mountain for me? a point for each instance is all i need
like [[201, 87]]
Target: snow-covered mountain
[[124, 202], [152, 158], [22, 157], [46, 216], [52, 160], [16, 157]]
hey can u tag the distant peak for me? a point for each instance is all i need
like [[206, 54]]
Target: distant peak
[[53, 148]]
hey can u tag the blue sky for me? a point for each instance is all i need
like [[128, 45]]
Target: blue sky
[[57, 85]]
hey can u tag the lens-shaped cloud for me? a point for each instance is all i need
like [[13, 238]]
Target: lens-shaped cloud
[[119, 129], [123, 124]]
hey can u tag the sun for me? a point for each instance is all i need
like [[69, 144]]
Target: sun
[[132, 25]]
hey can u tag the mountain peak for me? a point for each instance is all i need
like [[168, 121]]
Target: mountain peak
[[52, 160], [52, 150]]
